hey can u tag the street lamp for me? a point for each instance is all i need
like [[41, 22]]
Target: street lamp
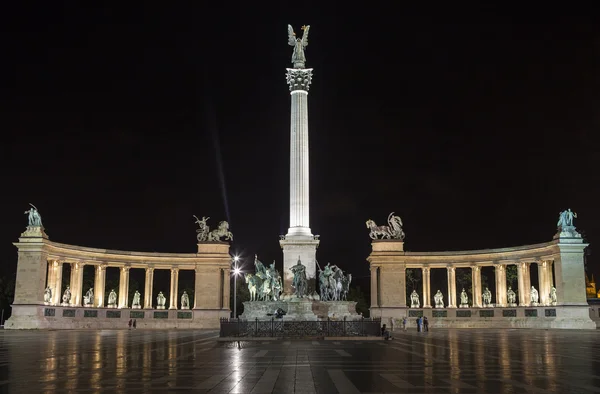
[[236, 272]]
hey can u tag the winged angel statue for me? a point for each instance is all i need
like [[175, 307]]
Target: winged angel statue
[[393, 230], [298, 58]]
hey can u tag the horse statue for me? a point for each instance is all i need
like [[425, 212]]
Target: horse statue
[[221, 231], [393, 230], [254, 283]]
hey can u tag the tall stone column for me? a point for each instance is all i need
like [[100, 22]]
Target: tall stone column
[[500, 276], [476, 285], [521, 271], [451, 273], [543, 282], [527, 283], [50, 281], [374, 287], [99, 285], [426, 271], [299, 243], [226, 287], [174, 288], [124, 287], [148, 288], [550, 274], [78, 289], [56, 292]]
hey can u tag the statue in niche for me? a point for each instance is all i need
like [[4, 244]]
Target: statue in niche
[[438, 298], [222, 231], [535, 296], [553, 298], [88, 298], [511, 297], [48, 295], [298, 58], [66, 298], [414, 300], [136, 300], [185, 300], [392, 231], [487, 297], [299, 281], [464, 299], [160, 300], [202, 229], [34, 218], [112, 299]]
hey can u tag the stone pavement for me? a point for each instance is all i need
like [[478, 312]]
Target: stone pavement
[[441, 361]]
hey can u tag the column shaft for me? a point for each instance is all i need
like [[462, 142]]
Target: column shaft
[[426, 273], [527, 283], [174, 288], [58, 269], [476, 285], [78, 288], [500, 276], [450, 271], [99, 284], [299, 180], [148, 288], [521, 271], [197, 288], [124, 288]]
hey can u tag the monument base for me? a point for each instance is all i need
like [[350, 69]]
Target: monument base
[[136, 307], [464, 306], [112, 306], [160, 307], [301, 309]]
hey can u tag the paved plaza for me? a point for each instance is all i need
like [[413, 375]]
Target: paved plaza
[[443, 361]]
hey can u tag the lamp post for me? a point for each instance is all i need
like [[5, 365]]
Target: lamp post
[[236, 272]]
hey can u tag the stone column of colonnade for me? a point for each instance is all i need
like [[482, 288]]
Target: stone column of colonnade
[[174, 288], [99, 284], [451, 273], [476, 285], [226, 287], [148, 288], [76, 283], [57, 269], [500, 275], [426, 274], [124, 287], [546, 281]]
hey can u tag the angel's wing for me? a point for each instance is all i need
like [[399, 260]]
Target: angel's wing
[[305, 36], [291, 36]]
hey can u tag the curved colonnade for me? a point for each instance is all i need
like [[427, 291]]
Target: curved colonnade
[[559, 264], [40, 266]]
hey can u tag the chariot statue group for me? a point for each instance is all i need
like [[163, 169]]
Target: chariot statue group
[[333, 284], [265, 284]]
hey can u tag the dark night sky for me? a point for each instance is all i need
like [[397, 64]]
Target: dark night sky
[[476, 126]]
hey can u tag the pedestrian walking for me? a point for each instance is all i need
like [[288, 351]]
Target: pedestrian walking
[[404, 321], [134, 323], [426, 323], [129, 324]]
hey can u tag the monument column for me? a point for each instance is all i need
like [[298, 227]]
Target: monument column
[[77, 289], [476, 285], [527, 283], [57, 293], [426, 271], [174, 288], [148, 288], [99, 284], [299, 243], [124, 288], [50, 280], [543, 283]]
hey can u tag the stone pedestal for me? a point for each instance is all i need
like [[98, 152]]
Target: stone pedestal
[[301, 310], [136, 307], [464, 305], [305, 249], [160, 307]]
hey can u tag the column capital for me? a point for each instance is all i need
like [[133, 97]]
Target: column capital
[[174, 269], [450, 267], [125, 268], [299, 79], [426, 269], [150, 268]]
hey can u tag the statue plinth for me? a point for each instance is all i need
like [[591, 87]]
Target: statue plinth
[[464, 306], [112, 306], [34, 232], [160, 307], [136, 307], [185, 307]]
